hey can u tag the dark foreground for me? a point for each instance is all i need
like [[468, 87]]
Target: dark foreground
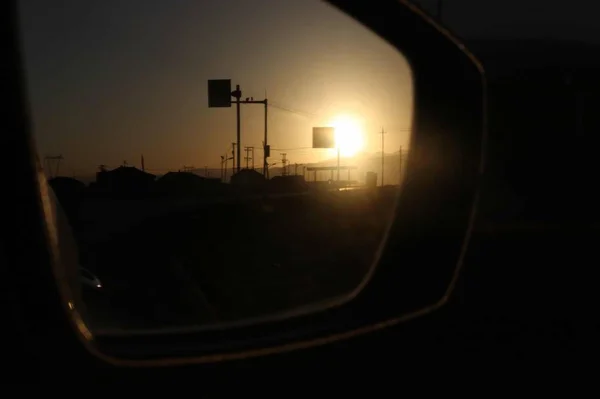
[[525, 296], [232, 261], [525, 303]]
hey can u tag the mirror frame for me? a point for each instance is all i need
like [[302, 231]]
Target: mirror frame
[[429, 233]]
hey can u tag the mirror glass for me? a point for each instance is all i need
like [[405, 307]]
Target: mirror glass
[[218, 161]]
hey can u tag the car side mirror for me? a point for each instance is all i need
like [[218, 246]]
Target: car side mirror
[[419, 260]]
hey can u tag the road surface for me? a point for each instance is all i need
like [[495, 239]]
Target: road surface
[[229, 261]]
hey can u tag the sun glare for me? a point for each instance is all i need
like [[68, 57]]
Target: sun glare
[[348, 135]]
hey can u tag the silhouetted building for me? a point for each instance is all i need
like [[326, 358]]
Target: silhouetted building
[[188, 184], [248, 179], [125, 180]]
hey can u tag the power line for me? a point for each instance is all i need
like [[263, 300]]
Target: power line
[[292, 149], [291, 110], [284, 163]]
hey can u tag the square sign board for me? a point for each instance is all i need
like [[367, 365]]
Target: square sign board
[[219, 93], [323, 137]]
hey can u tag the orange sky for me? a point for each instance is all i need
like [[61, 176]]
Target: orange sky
[[114, 80]]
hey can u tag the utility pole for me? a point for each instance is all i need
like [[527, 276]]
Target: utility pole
[[284, 164], [382, 154], [249, 156], [224, 160], [233, 155], [237, 93], [266, 147], [266, 150], [217, 98], [143, 164]]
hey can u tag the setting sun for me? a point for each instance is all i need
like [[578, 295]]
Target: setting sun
[[348, 135]]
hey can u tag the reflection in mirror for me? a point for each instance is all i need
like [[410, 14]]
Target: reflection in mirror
[[217, 161]]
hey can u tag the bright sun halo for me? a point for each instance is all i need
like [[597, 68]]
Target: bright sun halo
[[348, 136]]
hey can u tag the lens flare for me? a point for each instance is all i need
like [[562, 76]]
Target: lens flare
[[348, 135]]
